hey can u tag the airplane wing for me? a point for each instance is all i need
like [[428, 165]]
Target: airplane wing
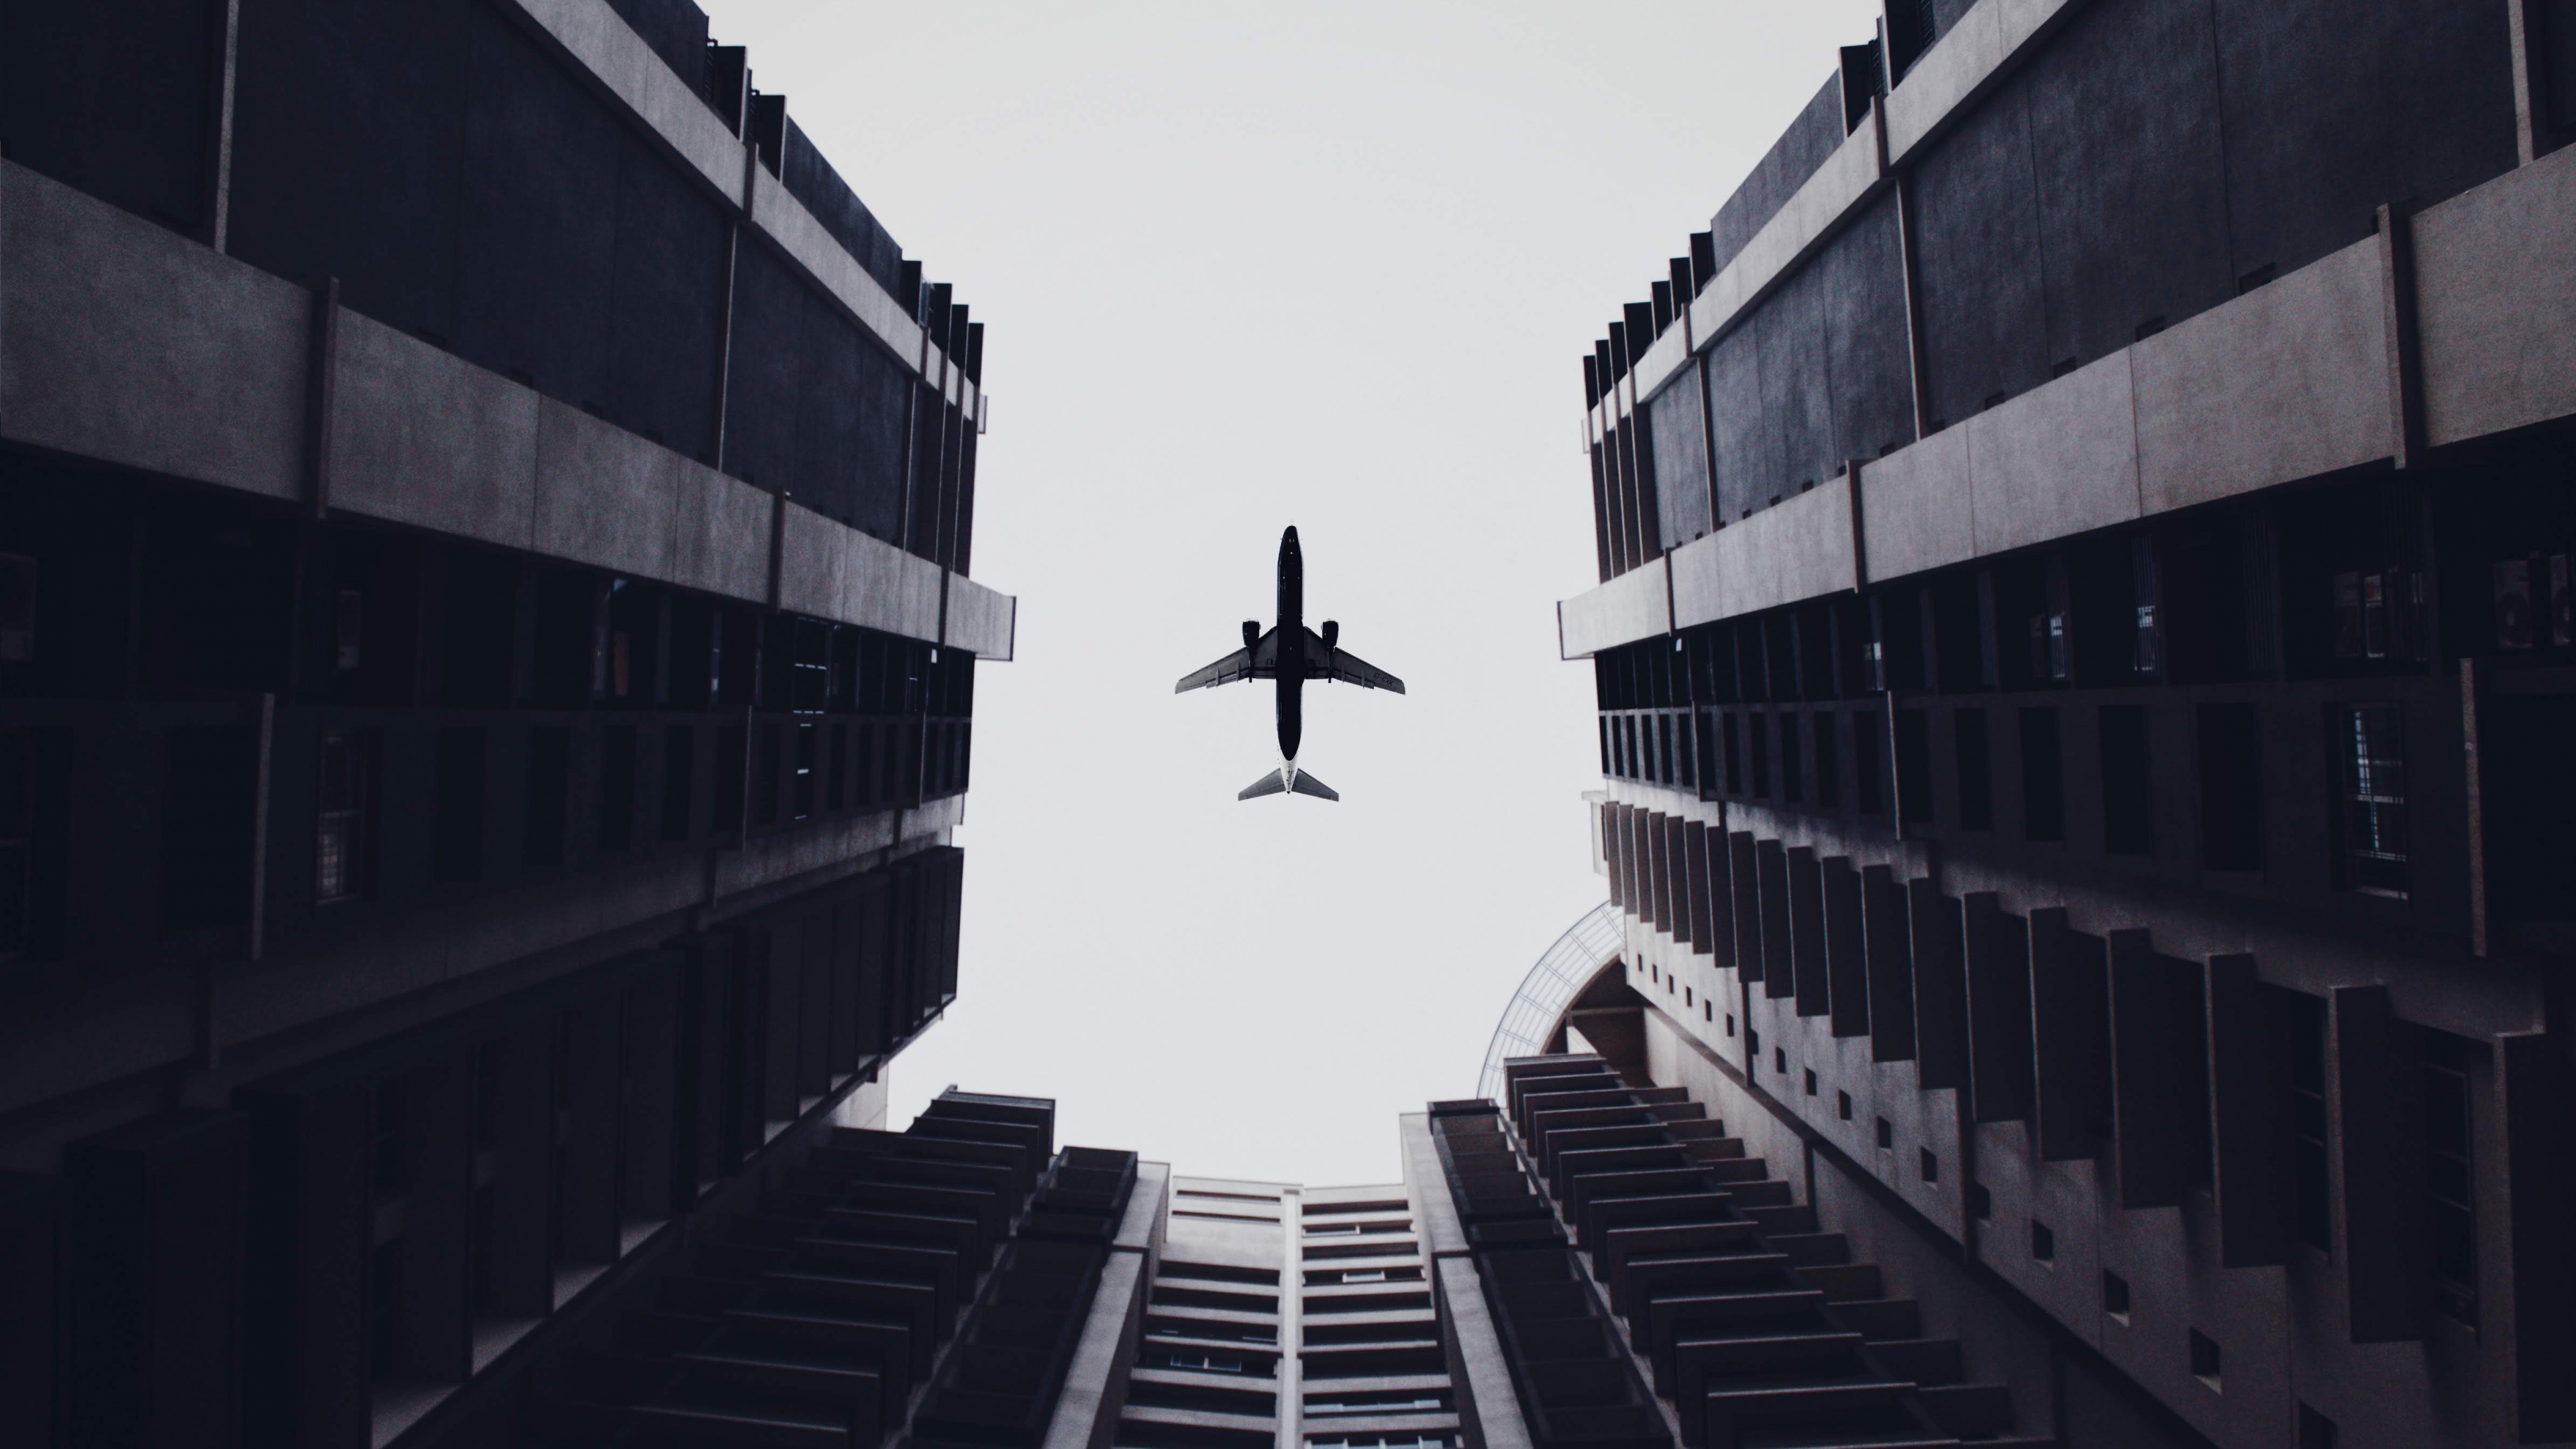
[[1349, 668], [1261, 661]]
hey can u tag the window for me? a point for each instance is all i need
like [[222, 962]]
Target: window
[[348, 629], [2316, 1431], [1932, 1170], [1761, 733], [2043, 1243], [1865, 764], [1793, 777], [1842, 1105], [1829, 784], [1708, 1012], [2043, 776], [1664, 747], [1811, 1081], [679, 772], [2231, 788], [2451, 1186], [1605, 745], [764, 775], [344, 822], [17, 842], [1730, 1023], [616, 788], [1687, 1001], [456, 828], [1780, 1061], [1753, 1043], [1981, 1203], [2115, 1296], [2204, 1359], [17, 608], [1976, 771], [2314, 1212], [1734, 757], [2370, 800], [549, 793], [1913, 768], [1886, 1135], [2128, 794], [808, 744]]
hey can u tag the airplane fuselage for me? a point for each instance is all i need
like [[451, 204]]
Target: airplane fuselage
[[1292, 644]]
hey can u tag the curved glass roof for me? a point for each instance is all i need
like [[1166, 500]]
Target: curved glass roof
[[1563, 970]]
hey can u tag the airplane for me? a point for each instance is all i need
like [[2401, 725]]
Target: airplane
[[1291, 654]]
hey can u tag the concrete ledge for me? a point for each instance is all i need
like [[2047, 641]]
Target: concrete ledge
[[1630, 607], [2057, 460], [1963, 65], [2286, 382], [122, 341], [608, 48], [1916, 507], [423, 437], [1800, 548], [982, 621], [2496, 309], [832, 571], [1849, 180], [1662, 360]]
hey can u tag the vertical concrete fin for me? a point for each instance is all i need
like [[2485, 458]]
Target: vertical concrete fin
[[2249, 1129], [2376, 1097], [2146, 1088]]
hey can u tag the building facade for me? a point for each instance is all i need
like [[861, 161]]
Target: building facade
[[486, 675], [2083, 662]]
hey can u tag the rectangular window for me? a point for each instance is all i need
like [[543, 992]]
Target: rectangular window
[[549, 793], [1871, 797], [807, 744], [1829, 783], [2558, 34], [17, 842], [837, 755], [2043, 776], [1605, 745], [2313, 1202], [1684, 757], [726, 815], [1913, 768], [2128, 796], [764, 775], [2231, 787], [344, 834], [1734, 756], [456, 818], [1758, 727], [1976, 770], [2204, 1358], [616, 788], [679, 779], [2370, 799], [1793, 773], [1664, 748], [2450, 1180]]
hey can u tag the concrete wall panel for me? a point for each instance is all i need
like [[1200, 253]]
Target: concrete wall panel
[[1917, 509], [423, 437], [1799, 550], [603, 495], [2286, 382], [1633, 606], [719, 534], [1841, 183], [123, 341], [801, 237], [613, 52], [2497, 300], [2060, 460], [982, 621], [1962, 64]]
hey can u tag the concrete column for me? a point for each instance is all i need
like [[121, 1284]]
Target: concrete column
[[2375, 1092], [2147, 1052], [1658, 883], [1938, 935], [2070, 1015], [1807, 932], [436, 1338], [586, 1145], [1771, 879], [849, 926], [1999, 1048], [151, 1284], [2541, 1319], [1610, 854], [776, 945], [1677, 877], [1489, 1408], [1744, 882], [2249, 1095], [1694, 858], [304, 1336], [522, 1148], [1886, 935], [645, 1121], [1846, 948], [814, 998]]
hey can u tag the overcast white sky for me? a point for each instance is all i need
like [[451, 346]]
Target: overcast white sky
[[1246, 265]]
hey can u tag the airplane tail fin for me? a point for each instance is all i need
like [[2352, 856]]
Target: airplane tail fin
[[1287, 779]]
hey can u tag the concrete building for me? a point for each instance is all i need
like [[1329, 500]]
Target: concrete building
[[486, 674], [2084, 675]]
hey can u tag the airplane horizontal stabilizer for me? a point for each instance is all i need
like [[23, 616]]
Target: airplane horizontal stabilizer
[[1309, 785], [1266, 785]]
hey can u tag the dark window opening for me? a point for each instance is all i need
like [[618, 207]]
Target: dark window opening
[[208, 796], [2370, 799], [344, 824], [1793, 775], [1913, 768], [2115, 1295], [1811, 1081], [456, 828], [1780, 1061], [2043, 776], [1843, 1105], [2128, 794], [1829, 784], [679, 779], [1981, 1203], [1734, 757], [1867, 791], [2316, 1431], [2043, 1243], [2231, 787], [1761, 739], [1976, 771], [549, 793], [807, 746], [1664, 768], [2313, 1203], [2450, 1180], [616, 787], [764, 776], [1886, 1135], [1931, 1166], [2204, 1358]]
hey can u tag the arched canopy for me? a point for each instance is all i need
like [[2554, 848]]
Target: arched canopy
[[1548, 992]]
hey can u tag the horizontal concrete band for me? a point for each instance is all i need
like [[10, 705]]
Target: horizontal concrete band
[[596, 39], [123, 342], [2289, 381]]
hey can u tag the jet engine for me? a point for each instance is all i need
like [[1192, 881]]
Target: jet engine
[[1332, 633], [1251, 632]]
